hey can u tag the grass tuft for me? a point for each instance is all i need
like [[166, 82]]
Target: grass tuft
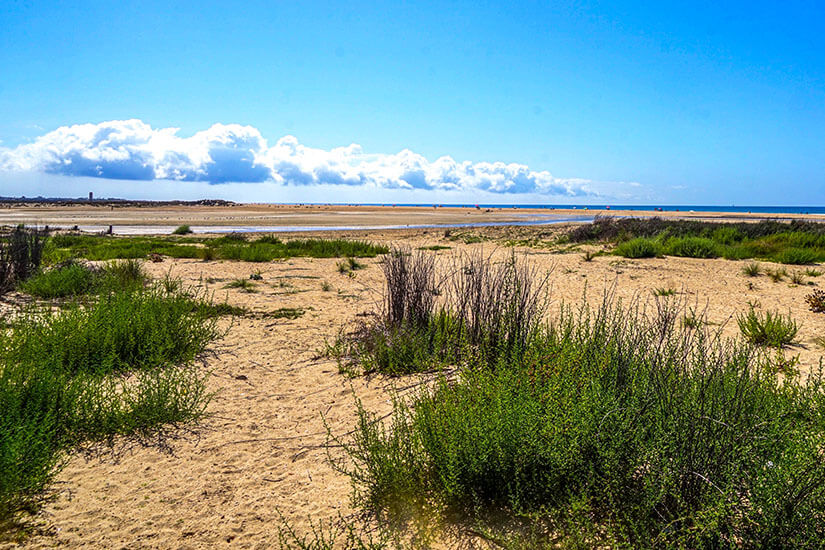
[[752, 269], [245, 285], [768, 329]]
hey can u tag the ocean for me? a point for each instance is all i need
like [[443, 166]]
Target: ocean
[[642, 207]]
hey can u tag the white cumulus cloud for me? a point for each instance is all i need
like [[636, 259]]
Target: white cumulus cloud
[[133, 150]]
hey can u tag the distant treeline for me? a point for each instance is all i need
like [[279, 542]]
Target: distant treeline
[[62, 201]]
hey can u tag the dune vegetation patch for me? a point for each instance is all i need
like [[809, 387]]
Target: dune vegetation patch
[[796, 242], [618, 425], [73, 278], [238, 247], [120, 364]]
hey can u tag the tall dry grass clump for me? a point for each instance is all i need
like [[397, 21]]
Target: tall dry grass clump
[[477, 307], [21, 252]]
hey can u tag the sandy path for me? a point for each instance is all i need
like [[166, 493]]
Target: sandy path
[[260, 453]]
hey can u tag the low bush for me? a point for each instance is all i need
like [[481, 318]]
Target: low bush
[[796, 242], [122, 331], [768, 329], [691, 247], [616, 427], [72, 279], [182, 230], [796, 256], [638, 248], [76, 279]]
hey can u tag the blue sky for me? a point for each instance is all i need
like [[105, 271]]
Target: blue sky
[[580, 102]]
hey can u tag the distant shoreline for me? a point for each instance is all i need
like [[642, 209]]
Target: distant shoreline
[[158, 217], [654, 208]]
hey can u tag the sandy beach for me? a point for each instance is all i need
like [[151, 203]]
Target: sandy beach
[[259, 458]]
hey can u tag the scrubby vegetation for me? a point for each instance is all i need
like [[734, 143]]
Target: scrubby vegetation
[[72, 278], [64, 247], [182, 230], [639, 248], [816, 301], [21, 252], [488, 307], [119, 365], [796, 242], [615, 426], [768, 329]]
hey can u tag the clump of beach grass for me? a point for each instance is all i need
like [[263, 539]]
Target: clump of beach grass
[[767, 329], [485, 308], [244, 285], [752, 269], [21, 252]]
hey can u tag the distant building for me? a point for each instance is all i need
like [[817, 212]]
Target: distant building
[[91, 196]]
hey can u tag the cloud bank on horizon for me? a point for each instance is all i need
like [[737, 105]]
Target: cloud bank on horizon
[[133, 150]]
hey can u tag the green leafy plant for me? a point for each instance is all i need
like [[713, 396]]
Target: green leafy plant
[[119, 365], [616, 423], [182, 230], [638, 248], [768, 329]]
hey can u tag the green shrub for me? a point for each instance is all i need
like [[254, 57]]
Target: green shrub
[[77, 279], [770, 329], [120, 365], [796, 256], [615, 424], [121, 332], [638, 248], [182, 230], [73, 279], [691, 247]]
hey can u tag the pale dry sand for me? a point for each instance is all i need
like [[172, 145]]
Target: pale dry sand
[[261, 454]]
